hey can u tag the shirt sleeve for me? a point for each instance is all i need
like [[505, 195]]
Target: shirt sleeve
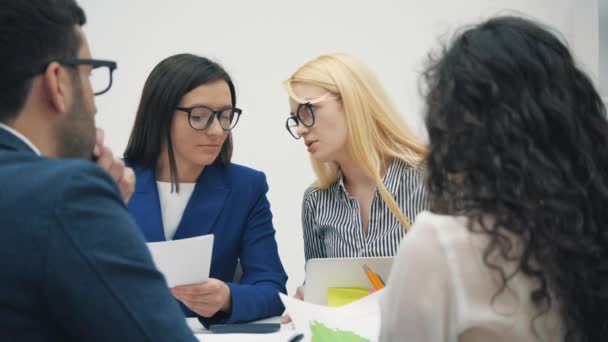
[[314, 246], [416, 303], [257, 294]]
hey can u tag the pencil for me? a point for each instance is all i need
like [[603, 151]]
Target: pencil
[[373, 278], [381, 280], [378, 281]]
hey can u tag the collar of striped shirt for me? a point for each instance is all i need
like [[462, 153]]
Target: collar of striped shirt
[[391, 180]]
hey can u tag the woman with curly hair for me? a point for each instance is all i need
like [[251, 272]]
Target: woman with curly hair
[[516, 246]]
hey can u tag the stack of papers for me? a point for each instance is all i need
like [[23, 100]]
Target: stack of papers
[[355, 322]]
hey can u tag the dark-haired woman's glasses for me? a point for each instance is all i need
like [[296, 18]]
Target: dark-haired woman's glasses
[[201, 117]]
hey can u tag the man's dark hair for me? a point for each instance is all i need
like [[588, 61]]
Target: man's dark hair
[[32, 33]]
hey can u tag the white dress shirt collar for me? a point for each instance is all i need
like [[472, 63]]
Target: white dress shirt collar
[[21, 137]]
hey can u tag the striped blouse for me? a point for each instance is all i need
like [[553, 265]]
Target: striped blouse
[[332, 222]]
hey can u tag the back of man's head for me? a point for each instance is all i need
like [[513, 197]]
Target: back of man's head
[[32, 32]]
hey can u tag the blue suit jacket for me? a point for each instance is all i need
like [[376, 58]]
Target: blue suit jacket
[[230, 203], [73, 265]]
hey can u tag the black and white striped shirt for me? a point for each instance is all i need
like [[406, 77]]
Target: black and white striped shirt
[[332, 222]]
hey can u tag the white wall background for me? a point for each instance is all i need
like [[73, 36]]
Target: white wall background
[[603, 47], [262, 42]]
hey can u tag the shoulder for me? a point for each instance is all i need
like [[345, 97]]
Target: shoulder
[[409, 172], [444, 227], [411, 182], [311, 195], [45, 185], [86, 171], [240, 175], [430, 243], [137, 168], [90, 202], [237, 172], [450, 234], [57, 175], [62, 187], [83, 179], [129, 163], [242, 179]]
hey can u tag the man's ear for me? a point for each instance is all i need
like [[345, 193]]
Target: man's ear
[[56, 86]]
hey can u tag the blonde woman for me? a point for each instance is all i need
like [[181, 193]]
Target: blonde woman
[[369, 185]]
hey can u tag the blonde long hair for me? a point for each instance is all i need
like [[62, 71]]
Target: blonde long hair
[[376, 131]]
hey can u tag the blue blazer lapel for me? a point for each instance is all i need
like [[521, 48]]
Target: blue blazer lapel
[[145, 205], [205, 204]]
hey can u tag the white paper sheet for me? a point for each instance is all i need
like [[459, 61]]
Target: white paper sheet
[[361, 317], [185, 261], [282, 336]]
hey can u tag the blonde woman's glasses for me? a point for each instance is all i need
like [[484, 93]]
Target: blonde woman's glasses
[[305, 115]]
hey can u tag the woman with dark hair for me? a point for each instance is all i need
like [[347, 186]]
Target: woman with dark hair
[[180, 150], [516, 248]]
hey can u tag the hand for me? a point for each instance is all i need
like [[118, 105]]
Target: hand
[[122, 175], [206, 298], [299, 295]]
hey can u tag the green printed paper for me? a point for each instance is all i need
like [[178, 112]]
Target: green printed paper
[[321, 333], [338, 296]]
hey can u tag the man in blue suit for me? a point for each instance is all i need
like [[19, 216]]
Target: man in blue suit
[[73, 265]]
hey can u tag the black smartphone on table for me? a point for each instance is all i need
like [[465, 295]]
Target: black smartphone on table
[[249, 328]]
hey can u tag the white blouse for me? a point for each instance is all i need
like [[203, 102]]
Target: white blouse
[[173, 204], [441, 290]]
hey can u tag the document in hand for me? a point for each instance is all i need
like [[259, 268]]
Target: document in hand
[[185, 261], [358, 321]]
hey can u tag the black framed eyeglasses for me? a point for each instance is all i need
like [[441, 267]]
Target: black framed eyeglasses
[[100, 75], [201, 117], [305, 115]]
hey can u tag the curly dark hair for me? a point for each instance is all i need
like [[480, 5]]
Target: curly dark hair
[[519, 133]]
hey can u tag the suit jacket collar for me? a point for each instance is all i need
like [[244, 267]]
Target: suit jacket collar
[[201, 212], [10, 141]]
